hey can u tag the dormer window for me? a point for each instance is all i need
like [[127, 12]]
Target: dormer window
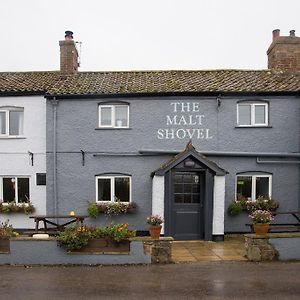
[[113, 116], [252, 114], [11, 121]]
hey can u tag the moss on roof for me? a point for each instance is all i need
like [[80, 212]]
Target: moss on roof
[[89, 83]]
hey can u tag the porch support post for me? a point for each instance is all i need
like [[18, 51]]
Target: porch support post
[[219, 205], [158, 193]]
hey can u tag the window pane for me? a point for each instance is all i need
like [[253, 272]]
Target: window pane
[[244, 187], [245, 114], [9, 189], [262, 186], [178, 198], [121, 114], [104, 189], [105, 116], [2, 122], [122, 188], [16, 122], [260, 114], [23, 190]]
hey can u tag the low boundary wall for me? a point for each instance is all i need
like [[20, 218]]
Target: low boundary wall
[[273, 246], [30, 251]]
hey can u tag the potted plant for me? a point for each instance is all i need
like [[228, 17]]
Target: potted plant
[[261, 220], [155, 222], [6, 232]]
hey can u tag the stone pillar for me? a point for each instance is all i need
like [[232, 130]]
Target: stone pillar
[[258, 248]]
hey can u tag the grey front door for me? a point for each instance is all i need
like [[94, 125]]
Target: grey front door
[[187, 194]]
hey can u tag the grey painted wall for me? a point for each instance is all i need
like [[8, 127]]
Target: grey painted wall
[[288, 248], [36, 252], [77, 122]]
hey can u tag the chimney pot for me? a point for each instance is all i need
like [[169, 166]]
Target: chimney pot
[[276, 33], [292, 33], [68, 35]]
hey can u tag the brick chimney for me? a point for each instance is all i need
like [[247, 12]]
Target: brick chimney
[[68, 54], [284, 52]]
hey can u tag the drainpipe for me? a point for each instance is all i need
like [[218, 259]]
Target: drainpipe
[[55, 103]]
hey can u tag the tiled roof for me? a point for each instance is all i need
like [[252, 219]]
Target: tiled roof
[[89, 83], [31, 82]]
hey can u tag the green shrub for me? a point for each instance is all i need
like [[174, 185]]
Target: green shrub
[[234, 208], [114, 232], [74, 238], [93, 210]]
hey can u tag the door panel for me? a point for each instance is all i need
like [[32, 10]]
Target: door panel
[[187, 205]]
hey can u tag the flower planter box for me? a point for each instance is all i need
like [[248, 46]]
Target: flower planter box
[[105, 246], [4, 245]]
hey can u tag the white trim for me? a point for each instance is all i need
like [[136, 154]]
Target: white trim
[[253, 183], [112, 187], [218, 205], [252, 114], [112, 116], [158, 196], [16, 188]]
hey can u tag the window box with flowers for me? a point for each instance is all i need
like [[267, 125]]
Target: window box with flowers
[[114, 238], [110, 208]]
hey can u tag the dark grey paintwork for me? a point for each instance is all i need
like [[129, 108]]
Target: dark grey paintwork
[[76, 130]]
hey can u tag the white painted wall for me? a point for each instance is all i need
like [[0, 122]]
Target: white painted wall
[[14, 157], [219, 204], [158, 196]]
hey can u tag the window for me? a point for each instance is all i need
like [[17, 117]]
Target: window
[[252, 114], [114, 116], [14, 189], [113, 188], [11, 121], [253, 186]]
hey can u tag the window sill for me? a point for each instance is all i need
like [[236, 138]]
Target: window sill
[[254, 126], [113, 128], [7, 137]]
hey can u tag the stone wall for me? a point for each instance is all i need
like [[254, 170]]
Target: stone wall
[[160, 250]]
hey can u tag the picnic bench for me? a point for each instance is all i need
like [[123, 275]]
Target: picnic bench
[[54, 221], [290, 226]]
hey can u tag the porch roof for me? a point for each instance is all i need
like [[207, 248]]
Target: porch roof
[[187, 152]]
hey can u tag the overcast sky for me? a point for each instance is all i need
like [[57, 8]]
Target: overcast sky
[[144, 34]]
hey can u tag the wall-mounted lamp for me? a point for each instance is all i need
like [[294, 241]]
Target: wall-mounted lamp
[[189, 163]]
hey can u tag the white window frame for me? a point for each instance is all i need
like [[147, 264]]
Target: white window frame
[[252, 114], [16, 189], [7, 116], [112, 188], [253, 183], [113, 115]]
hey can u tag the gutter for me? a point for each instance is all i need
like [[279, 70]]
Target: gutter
[[223, 153], [171, 94]]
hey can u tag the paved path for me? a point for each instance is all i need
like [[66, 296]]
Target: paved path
[[192, 251], [202, 280]]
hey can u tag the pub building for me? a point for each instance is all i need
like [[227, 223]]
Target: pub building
[[181, 144]]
